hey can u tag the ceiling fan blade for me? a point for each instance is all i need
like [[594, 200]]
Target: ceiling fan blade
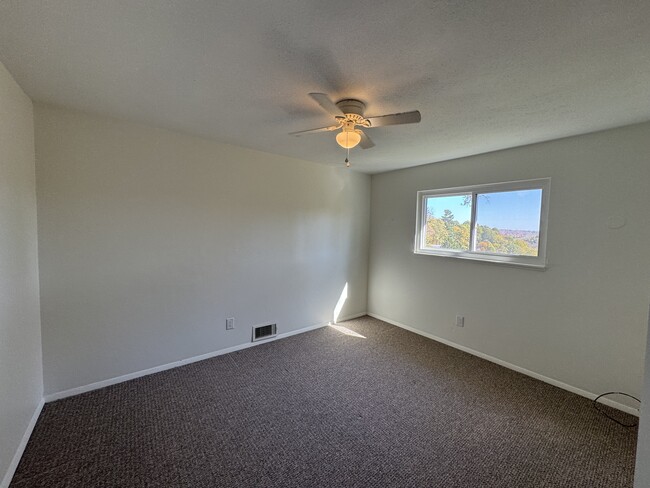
[[328, 105], [366, 142], [313, 131], [395, 119]]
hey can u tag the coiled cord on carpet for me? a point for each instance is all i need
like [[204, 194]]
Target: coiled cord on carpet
[[596, 406]]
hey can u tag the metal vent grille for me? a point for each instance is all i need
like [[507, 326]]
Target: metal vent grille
[[263, 332]]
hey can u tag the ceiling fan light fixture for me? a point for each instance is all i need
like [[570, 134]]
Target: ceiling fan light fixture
[[348, 139], [349, 114]]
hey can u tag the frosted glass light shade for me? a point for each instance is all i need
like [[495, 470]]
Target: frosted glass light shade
[[348, 139]]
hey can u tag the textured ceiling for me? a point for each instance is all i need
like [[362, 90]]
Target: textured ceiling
[[485, 75]]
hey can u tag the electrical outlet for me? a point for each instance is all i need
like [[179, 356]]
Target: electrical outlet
[[230, 323], [460, 321]]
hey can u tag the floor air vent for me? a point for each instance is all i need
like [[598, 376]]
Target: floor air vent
[[263, 332]]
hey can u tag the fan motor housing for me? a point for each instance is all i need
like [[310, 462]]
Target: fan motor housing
[[351, 106]]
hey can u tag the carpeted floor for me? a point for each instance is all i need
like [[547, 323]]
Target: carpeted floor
[[325, 409]]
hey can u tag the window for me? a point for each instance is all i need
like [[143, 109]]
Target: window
[[500, 222]]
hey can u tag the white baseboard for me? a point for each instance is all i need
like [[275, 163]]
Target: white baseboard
[[21, 447], [514, 367], [138, 374]]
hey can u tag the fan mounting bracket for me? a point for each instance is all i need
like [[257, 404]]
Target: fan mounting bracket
[[351, 106]]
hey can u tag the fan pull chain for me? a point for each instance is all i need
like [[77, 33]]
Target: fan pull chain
[[347, 159]]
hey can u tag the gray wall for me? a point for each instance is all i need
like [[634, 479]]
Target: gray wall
[[582, 321], [21, 381], [149, 240]]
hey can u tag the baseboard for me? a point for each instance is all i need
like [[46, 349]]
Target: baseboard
[[157, 369], [21, 447], [514, 367]]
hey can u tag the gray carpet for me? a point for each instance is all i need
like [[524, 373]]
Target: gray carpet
[[325, 409]]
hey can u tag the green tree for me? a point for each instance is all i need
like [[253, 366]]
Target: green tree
[[448, 217]]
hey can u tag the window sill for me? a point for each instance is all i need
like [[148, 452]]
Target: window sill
[[491, 259]]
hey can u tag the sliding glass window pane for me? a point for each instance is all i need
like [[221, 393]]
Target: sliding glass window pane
[[508, 222], [448, 222]]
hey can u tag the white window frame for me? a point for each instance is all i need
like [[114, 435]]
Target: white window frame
[[538, 262]]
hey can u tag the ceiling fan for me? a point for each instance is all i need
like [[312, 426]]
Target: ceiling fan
[[349, 114]]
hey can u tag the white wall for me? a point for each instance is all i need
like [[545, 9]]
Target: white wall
[[21, 381], [582, 321], [149, 240]]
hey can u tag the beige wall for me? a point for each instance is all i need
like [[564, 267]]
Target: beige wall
[[149, 240], [582, 321], [21, 381]]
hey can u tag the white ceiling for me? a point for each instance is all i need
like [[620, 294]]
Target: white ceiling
[[486, 75]]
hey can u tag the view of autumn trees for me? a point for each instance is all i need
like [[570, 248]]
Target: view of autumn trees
[[447, 233]]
